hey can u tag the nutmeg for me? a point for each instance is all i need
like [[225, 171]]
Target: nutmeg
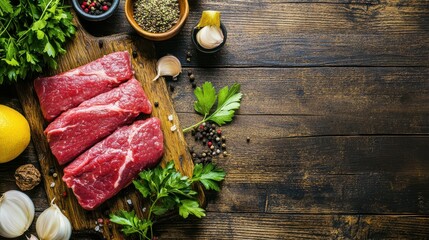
[[27, 177]]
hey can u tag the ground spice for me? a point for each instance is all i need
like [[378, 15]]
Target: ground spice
[[156, 16]]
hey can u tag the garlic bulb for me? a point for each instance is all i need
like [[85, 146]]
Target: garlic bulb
[[53, 225], [16, 213], [210, 37], [168, 66]]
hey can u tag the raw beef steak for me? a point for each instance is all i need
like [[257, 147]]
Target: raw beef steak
[[67, 90], [79, 128], [110, 165]]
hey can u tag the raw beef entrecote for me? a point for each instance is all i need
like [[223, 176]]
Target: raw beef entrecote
[[67, 90], [103, 170], [79, 128]]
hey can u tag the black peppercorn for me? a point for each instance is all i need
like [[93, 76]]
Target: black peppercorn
[[194, 85], [248, 139], [134, 53], [191, 77], [51, 171], [100, 43], [172, 88], [156, 104]]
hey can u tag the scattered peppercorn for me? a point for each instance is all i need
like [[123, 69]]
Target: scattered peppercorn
[[100, 43], [51, 171], [191, 77], [156, 104], [134, 53], [194, 85], [248, 139], [172, 88]]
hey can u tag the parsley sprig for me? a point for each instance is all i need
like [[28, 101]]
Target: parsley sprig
[[32, 34], [168, 189], [228, 101]]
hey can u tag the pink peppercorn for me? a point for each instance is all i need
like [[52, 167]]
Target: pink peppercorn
[[105, 8], [86, 10]]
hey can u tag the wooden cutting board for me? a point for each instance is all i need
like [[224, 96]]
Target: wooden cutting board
[[81, 50]]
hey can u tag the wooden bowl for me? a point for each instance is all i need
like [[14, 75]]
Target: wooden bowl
[[184, 12]]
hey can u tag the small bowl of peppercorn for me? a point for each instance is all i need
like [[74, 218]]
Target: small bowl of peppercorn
[[157, 20], [95, 10]]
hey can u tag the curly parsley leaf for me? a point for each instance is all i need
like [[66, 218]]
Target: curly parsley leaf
[[228, 101]]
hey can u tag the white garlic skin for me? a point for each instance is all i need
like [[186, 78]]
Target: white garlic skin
[[168, 66], [53, 225], [16, 213], [210, 37]]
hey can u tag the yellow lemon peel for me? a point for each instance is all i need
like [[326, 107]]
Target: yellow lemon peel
[[15, 134]]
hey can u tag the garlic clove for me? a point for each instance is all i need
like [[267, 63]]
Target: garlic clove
[[168, 66], [16, 213], [210, 37], [52, 224]]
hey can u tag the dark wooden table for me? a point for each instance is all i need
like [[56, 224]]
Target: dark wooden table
[[336, 105]]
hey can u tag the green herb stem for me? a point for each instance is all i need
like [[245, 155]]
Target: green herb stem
[[194, 126]]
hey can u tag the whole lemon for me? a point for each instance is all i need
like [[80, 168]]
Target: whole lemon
[[14, 133]]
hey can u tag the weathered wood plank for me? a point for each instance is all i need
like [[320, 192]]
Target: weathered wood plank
[[281, 170], [305, 33], [298, 226], [361, 92]]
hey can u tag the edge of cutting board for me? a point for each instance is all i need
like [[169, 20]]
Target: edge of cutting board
[[82, 49]]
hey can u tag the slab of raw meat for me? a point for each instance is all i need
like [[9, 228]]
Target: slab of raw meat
[[67, 90], [79, 128], [110, 165]]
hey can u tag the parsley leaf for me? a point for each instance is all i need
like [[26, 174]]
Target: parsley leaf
[[32, 35], [168, 189], [209, 175], [206, 98], [131, 223], [228, 101]]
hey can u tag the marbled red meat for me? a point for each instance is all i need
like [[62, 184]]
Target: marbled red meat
[[79, 128], [67, 90], [103, 170]]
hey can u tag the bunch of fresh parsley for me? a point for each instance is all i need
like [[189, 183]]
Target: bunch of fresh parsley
[[32, 34], [228, 100], [168, 189]]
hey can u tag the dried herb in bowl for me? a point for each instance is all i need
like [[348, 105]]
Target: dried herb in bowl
[[156, 16]]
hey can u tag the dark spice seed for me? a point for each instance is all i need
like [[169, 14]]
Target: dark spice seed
[[156, 104], [172, 88], [191, 77], [134, 53], [51, 171], [194, 85], [248, 139], [100, 43]]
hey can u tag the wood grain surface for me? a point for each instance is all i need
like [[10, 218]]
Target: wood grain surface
[[335, 104]]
